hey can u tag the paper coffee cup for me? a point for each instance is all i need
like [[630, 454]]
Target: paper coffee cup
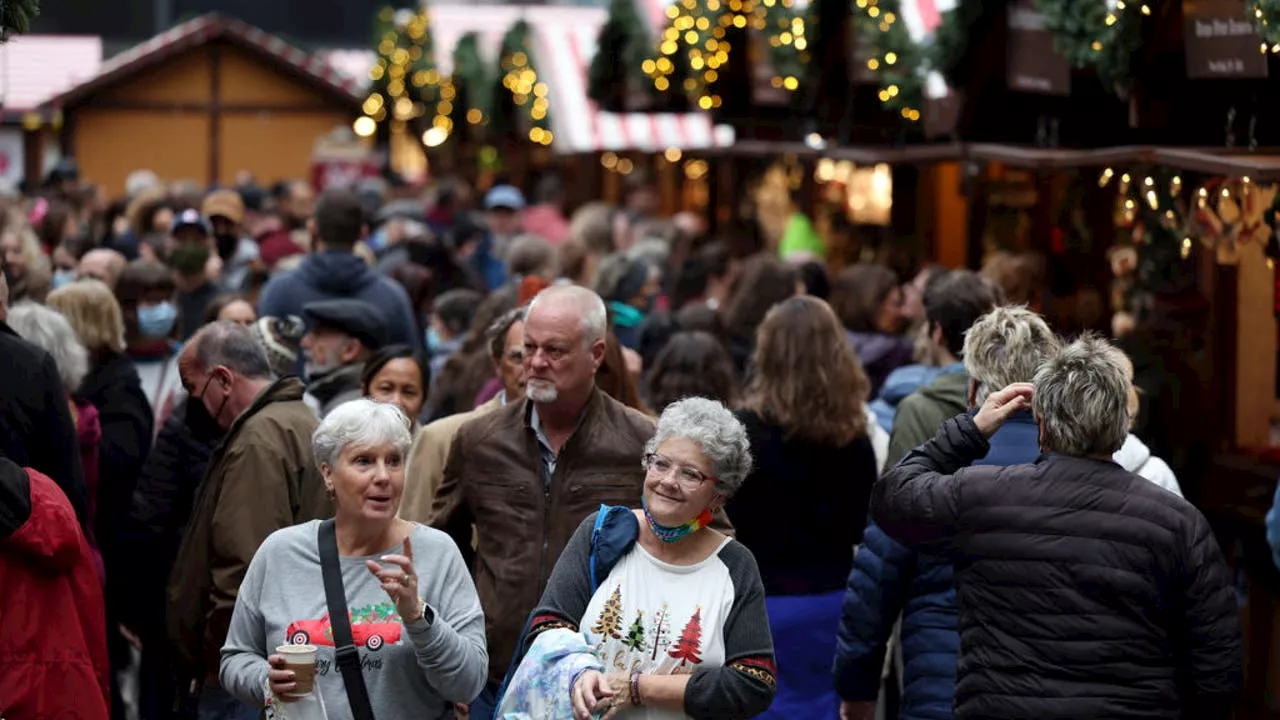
[[301, 661]]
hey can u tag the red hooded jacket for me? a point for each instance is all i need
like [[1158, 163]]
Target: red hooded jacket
[[53, 643]]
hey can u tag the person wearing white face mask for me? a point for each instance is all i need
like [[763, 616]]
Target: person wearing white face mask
[[145, 292]]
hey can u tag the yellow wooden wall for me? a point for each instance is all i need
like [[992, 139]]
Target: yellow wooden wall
[[273, 139]]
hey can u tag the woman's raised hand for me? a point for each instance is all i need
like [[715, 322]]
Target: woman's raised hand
[[400, 582]]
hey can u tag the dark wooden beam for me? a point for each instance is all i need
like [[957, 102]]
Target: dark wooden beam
[[215, 111], [225, 108]]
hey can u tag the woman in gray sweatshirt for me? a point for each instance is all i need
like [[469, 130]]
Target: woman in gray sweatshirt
[[415, 616]]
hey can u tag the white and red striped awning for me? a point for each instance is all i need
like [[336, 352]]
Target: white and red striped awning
[[34, 68], [564, 44]]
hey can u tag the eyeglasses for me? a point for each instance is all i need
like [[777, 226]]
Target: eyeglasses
[[690, 478]]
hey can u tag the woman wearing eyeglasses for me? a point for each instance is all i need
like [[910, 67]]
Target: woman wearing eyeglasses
[[676, 628]]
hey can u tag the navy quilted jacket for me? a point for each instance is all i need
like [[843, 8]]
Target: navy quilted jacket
[[889, 579]]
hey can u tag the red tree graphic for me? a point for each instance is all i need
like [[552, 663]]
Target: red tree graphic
[[690, 643]]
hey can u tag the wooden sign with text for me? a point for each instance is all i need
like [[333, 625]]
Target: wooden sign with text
[[1220, 41], [1034, 66]]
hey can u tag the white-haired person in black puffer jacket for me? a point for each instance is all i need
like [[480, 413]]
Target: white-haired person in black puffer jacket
[[1084, 590]]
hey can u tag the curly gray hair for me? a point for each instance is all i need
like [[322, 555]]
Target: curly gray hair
[[717, 432], [361, 422], [1082, 399]]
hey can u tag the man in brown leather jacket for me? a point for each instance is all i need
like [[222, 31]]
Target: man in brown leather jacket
[[528, 473]]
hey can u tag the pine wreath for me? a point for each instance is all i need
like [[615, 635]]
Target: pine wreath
[[1092, 35], [16, 17]]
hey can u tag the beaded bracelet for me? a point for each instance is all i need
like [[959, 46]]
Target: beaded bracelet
[[635, 688]]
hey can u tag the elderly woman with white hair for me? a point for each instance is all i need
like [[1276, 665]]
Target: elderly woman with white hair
[[414, 616], [650, 613], [1083, 590], [49, 330]]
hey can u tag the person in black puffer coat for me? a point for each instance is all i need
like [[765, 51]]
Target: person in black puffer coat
[[1084, 591]]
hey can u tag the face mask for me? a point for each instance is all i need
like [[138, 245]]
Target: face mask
[[199, 421], [189, 258], [156, 321], [63, 278], [433, 341], [227, 245]]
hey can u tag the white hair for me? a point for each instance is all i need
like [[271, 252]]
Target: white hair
[[47, 329], [1082, 399], [361, 422], [595, 320]]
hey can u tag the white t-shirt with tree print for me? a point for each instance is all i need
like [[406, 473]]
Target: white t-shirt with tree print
[[660, 619]]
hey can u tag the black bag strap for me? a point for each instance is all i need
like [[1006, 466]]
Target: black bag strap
[[345, 653]]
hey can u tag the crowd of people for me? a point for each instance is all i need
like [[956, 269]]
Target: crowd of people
[[553, 465]]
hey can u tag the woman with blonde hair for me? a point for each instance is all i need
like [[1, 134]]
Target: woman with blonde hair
[[30, 272], [805, 414], [113, 387]]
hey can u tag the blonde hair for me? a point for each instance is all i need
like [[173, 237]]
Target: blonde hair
[[94, 314]]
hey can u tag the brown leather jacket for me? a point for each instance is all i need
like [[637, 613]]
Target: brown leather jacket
[[494, 479], [261, 478]]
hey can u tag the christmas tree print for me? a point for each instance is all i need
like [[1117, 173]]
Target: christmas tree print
[[635, 636], [690, 643], [659, 634], [610, 621]]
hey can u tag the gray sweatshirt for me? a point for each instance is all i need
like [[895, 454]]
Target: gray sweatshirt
[[411, 671]]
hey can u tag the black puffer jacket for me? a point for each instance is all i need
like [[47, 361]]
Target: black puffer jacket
[[1084, 591]]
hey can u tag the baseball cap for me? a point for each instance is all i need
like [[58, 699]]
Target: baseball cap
[[224, 203], [504, 196], [191, 218]]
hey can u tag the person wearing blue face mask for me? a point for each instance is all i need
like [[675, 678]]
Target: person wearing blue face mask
[[145, 292]]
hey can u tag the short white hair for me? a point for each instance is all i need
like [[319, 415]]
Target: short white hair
[[595, 319], [362, 422], [47, 329], [718, 433]]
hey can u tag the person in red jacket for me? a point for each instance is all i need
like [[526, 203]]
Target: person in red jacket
[[53, 636]]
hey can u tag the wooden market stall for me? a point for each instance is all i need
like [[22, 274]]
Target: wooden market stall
[[209, 98]]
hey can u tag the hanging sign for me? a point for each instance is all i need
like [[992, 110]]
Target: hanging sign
[[1034, 66], [1220, 41]]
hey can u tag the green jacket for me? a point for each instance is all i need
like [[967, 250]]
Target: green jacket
[[920, 414]]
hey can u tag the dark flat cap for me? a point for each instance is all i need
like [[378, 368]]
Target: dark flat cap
[[356, 318]]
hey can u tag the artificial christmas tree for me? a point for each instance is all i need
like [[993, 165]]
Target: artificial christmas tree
[[610, 621], [405, 83], [616, 70], [16, 17], [689, 647]]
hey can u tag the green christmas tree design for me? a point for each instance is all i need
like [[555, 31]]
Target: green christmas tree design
[[635, 636], [610, 621]]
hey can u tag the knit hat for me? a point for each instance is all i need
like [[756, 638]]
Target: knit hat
[[282, 339]]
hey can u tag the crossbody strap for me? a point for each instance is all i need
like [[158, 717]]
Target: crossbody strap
[[345, 653]]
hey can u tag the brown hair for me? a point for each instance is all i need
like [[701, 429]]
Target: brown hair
[[613, 379], [858, 292], [1020, 276], [692, 364], [807, 379], [765, 282]]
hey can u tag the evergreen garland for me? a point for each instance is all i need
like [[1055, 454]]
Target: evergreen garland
[[16, 17], [405, 79], [519, 90], [898, 60], [1091, 35], [621, 49], [471, 81], [1266, 17], [951, 38]]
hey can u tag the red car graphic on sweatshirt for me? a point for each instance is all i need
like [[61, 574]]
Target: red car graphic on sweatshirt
[[320, 632]]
